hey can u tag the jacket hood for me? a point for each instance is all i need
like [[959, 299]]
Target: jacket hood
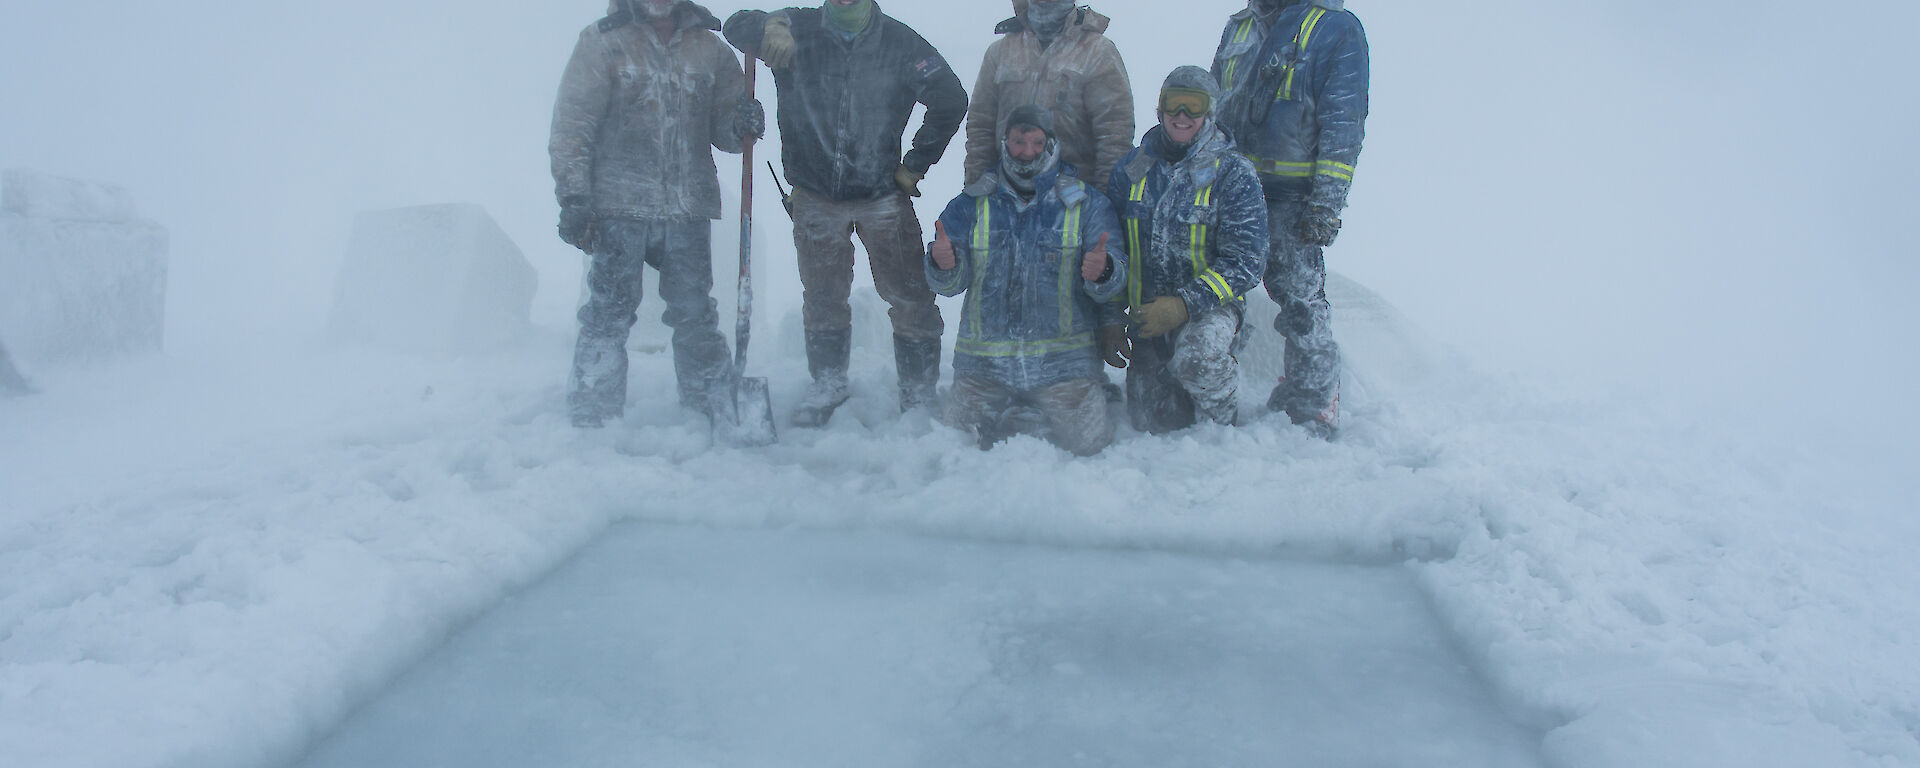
[[1086, 19], [686, 14]]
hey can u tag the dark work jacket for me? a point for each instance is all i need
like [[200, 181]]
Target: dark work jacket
[[845, 104], [1296, 96], [1195, 227], [1029, 317]]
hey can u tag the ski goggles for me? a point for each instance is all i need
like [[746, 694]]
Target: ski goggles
[[1185, 101]]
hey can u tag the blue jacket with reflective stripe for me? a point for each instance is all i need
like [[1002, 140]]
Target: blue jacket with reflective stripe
[[1195, 228], [1029, 316], [1296, 96]]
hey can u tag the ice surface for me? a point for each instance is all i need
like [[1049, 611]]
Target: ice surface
[[668, 645], [81, 277], [432, 278]]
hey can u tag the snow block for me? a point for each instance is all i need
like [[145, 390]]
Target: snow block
[[81, 275], [431, 278]]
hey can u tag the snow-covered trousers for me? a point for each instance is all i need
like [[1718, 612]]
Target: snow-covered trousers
[[1297, 280], [890, 231], [681, 250], [1073, 412], [1191, 369]]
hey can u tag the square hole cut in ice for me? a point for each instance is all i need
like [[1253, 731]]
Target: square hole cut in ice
[[683, 646]]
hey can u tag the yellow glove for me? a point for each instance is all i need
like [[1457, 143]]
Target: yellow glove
[[1160, 316], [908, 180], [776, 43]]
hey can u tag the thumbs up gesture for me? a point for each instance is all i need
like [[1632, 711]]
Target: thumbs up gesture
[[942, 247], [1095, 263]]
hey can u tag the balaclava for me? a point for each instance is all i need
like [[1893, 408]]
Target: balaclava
[[1047, 18], [1021, 175], [653, 10], [850, 19]]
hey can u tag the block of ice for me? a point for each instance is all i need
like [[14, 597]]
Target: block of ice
[[81, 277], [431, 278]]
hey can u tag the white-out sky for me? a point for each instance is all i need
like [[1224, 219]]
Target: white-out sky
[[1698, 203]]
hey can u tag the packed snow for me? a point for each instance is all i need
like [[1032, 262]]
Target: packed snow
[[1626, 408]]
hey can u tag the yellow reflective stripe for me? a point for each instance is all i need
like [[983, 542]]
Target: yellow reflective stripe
[[1133, 246], [1300, 40], [1069, 261], [1285, 168], [982, 241], [1336, 170], [975, 348], [1234, 63], [1218, 284]]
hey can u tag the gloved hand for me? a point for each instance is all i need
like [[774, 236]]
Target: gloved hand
[[941, 249], [1114, 347], [776, 43], [908, 180], [576, 222], [749, 118], [1318, 225], [1160, 316]]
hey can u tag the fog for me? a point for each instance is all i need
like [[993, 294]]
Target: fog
[[1699, 204]]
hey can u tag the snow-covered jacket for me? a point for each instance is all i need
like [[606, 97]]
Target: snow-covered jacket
[[845, 104], [1296, 102], [1196, 227], [1079, 77], [1030, 316], [636, 116]]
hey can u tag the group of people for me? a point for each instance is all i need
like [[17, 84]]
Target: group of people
[[1074, 248]]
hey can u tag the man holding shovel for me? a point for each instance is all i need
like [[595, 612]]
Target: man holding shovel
[[649, 92], [848, 77]]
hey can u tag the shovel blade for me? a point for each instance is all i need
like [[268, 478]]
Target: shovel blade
[[747, 420]]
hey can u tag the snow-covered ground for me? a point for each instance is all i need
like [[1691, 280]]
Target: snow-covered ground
[[1697, 554], [210, 562]]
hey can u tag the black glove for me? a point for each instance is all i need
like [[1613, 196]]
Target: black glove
[[576, 222], [749, 118], [1318, 225]]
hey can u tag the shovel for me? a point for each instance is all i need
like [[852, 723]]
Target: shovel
[[745, 419]]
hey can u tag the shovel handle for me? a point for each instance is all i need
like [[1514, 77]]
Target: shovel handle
[[741, 328]]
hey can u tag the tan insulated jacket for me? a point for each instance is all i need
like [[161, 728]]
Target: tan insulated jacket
[[638, 117], [1080, 77]]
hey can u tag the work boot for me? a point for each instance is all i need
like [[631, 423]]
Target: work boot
[[1321, 422], [827, 353], [918, 362]]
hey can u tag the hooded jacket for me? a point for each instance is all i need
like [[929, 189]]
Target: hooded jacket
[[1195, 227], [1296, 85], [845, 104], [1080, 77], [1029, 316], [637, 115]]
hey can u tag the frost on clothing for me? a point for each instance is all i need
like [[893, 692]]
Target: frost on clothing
[[1297, 281], [681, 250], [1196, 227], [1029, 317], [1079, 77], [1296, 96], [637, 115], [844, 104]]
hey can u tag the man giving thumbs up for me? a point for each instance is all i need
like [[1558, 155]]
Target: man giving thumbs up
[[1027, 244]]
